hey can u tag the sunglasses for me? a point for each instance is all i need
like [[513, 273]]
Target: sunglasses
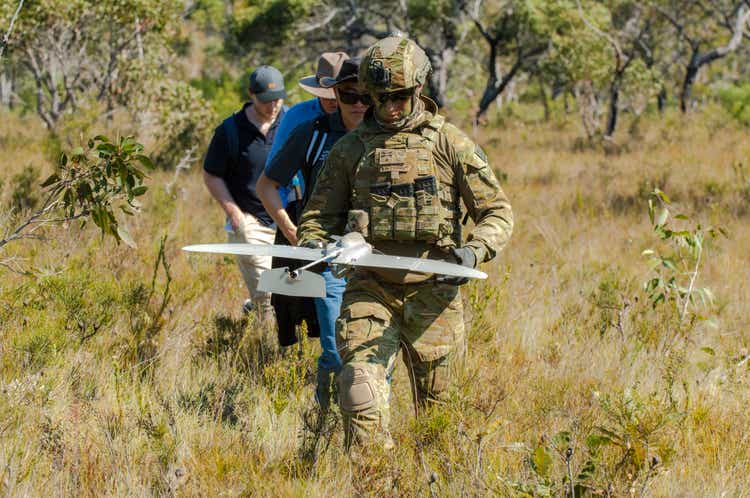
[[398, 96], [351, 98]]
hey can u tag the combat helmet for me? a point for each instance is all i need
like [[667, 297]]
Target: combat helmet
[[393, 63]]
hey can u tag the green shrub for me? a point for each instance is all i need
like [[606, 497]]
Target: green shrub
[[735, 99], [25, 189]]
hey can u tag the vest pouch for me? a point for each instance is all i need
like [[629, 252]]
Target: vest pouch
[[381, 218], [429, 213], [404, 217]]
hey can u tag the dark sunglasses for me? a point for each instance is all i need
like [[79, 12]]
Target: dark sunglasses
[[398, 96], [351, 98]]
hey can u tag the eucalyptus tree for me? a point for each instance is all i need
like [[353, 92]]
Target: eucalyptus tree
[[77, 50], [514, 29], [626, 26], [706, 31], [438, 26]]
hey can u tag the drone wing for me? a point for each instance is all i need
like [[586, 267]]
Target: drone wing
[[290, 252], [419, 265]]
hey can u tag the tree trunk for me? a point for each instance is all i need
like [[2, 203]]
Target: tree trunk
[[614, 98], [543, 97], [588, 106], [687, 84], [494, 86], [438, 80], [661, 100], [6, 89]]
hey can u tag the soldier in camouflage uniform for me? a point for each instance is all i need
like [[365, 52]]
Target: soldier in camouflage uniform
[[399, 179]]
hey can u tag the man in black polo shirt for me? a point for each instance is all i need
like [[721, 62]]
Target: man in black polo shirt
[[234, 161]]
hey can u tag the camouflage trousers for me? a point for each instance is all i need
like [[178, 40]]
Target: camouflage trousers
[[378, 319]]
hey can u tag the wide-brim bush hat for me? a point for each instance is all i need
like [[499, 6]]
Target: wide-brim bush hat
[[349, 72], [329, 65]]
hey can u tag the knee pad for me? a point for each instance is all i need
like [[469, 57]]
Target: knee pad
[[357, 388]]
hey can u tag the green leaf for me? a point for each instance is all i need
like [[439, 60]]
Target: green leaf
[[596, 441], [106, 147], [651, 211], [668, 263], [561, 439], [78, 151], [541, 461], [53, 178], [140, 190], [145, 161], [662, 217], [63, 159], [708, 350], [587, 472], [125, 236], [661, 195]]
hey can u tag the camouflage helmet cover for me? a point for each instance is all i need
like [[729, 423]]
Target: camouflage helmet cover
[[394, 63]]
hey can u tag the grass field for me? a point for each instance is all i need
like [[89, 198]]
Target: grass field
[[124, 374]]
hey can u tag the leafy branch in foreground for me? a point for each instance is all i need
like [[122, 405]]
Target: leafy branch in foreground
[[676, 271], [90, 184]]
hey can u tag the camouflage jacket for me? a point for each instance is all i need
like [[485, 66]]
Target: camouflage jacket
[[460, 163]]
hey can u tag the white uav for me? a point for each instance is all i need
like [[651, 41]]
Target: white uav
[[349, 250]]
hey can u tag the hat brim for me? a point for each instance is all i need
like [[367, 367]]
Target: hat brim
[[310, 84], [328, 82], [270, 95]]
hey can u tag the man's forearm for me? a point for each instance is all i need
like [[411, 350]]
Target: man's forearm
[[219, 191], [268, 191]]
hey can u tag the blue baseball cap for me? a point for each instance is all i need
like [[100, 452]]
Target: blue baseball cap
[[267, 83]]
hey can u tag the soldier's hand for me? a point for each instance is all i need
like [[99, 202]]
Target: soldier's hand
[[312, 244], [465, 257]]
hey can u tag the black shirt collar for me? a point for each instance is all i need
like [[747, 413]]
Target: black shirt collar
[[243, 122]]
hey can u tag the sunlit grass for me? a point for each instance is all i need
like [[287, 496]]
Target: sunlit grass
[[564, 347]]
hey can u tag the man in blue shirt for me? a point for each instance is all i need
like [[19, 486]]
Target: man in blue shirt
[[292, 311], [305, 151], [324, 102]]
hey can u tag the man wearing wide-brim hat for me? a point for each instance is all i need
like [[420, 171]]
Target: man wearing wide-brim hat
[[305, 153], [291, 311]]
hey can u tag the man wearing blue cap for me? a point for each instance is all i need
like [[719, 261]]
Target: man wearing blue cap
[[234, 161]]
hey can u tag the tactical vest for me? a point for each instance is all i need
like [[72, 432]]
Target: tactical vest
[[396, 182]]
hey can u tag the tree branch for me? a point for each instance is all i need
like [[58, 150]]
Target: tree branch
[[6, 38], [600, 33], [737, 34], [315, 26]]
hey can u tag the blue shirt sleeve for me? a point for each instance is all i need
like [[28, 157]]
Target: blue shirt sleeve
[[296, 115]]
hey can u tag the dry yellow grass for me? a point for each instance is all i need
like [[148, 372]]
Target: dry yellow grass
[[197, 402]]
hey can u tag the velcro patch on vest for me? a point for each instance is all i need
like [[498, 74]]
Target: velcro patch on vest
[[395, 161]]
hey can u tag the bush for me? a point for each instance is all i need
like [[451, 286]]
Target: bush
[[735, 99], [24, 189]]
